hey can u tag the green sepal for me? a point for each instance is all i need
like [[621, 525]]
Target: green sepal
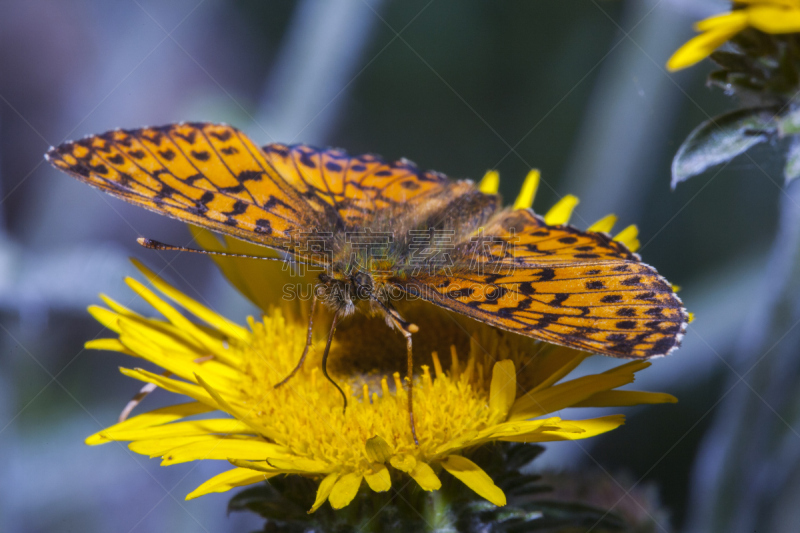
[[722, 138]]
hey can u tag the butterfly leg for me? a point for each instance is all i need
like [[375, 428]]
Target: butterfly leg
[[325, 361], [406, 328], [410, 385], [308, 345]]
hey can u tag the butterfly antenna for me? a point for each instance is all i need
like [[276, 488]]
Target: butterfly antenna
[[155, 245], [325, 361]]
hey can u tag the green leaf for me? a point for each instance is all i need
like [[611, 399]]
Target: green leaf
[[720, 139], [792, 169], [789, 123]]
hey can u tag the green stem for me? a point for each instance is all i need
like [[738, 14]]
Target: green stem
[[437, 513]]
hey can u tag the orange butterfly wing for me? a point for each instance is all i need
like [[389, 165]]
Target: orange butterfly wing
[[207, 174], [561, 285], [353, 190]]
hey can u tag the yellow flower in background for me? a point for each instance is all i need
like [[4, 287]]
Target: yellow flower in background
[[491, 386], [769, 16]]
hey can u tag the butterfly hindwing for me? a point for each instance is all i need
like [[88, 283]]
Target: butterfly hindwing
[[522, 237], [359, 188], [622, 309]]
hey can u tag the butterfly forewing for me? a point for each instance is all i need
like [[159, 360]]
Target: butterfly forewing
[[206, 174]]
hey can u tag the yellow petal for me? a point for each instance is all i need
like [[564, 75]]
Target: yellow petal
[[261, 466], [623, 398], [180, 429], [700, 47], [771, 19], [503, 389], [691, 318], [300, 465], [229, 266], [731, 18], [462, 441], [528, 191], [628, 237], [520, 427], [475, 478], [111, 345], [238, 413], [222, 448], [118, 308], [490, 182], [173, 365], [555, 363], [224, 325], [589, 428], [565, 394], [172, 385], [156, 417], [181, 322], [161, 334], [501, 431], [158, 447], [403, 462], [105, 317], [378, 450], [227, 480], [344, 490], [562, 211], [182, 364], [604, 225], [425, 477], [379, 479], [324, 490]]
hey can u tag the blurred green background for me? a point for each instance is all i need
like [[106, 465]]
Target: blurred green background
[[576, 88]]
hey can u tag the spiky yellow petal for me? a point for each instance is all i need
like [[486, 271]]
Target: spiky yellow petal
[[503, 389], [628, 237], [227, 480], [527, 193], [562, 211], [604, 225], [490, 183], [475, 478]]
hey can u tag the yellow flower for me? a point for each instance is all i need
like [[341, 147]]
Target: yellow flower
[[769, 16], [492, 386]]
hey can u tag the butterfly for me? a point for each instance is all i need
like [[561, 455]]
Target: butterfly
[[388, 230]]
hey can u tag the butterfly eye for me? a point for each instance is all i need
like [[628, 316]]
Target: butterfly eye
[[362, 280]]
